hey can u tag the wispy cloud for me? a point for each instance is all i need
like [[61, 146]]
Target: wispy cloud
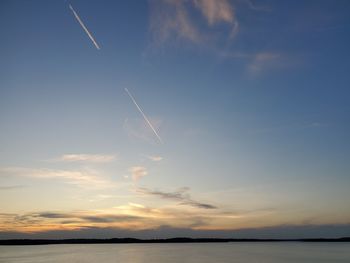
[[144, 116], [94, 158], [48, 220], [84, 27], [265, 60], [10, 187], [197, 204], [82, 178], [130, 216], [137, 172], [216, 11], [182, 195], [155, 158], [259, 62], [84, 216], [173, 18]]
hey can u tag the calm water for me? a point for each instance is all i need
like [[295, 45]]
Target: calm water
[[179, 253]]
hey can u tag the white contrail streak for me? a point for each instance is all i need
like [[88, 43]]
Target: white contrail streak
[[144, 116], [84, 27]]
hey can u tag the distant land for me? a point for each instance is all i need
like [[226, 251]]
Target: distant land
[[16, 242]]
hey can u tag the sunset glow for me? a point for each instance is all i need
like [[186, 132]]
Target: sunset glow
[[192, 116]]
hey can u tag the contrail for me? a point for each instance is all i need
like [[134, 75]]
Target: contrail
[[84, 27], [144, 116]]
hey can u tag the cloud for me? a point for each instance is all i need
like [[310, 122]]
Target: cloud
[[10, 187], [198, 204], [131, 217], [43, 221], [94, 158], [155, 158], [173, 19], [264, 60], [52, 215], [180, 195], [82, 178], [85, 216], [108, 218], [137, 172], [272, 60], [216, 11], [166, 231]]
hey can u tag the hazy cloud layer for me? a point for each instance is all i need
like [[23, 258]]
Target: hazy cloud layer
[[263, 60], [10, 187], [180, 195], [216, 11], [170, 18], [166, 231], [260, 62], [102, 218], [94, 158], [181, 20], [82, 178], [131, 216], [42, 221], [173, 19]]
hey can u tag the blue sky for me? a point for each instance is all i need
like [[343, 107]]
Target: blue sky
[[249, 98]]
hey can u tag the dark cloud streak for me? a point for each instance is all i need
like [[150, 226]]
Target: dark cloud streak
[[35, 218], [180, 195]]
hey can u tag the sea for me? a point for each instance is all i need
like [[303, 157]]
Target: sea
[[235, 252]]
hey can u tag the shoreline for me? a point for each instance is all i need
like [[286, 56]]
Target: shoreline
[[24, 242]]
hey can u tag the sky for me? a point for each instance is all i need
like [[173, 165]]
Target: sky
[[166, 118]]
